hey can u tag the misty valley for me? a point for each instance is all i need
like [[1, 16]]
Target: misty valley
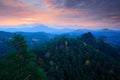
[[69, 55]]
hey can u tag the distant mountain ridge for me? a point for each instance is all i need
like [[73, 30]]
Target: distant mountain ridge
[[113, 36], [36, 38], [35, 28]]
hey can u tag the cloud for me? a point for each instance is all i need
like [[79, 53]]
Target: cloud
[[12, 8], [104, 12], [61, 12]]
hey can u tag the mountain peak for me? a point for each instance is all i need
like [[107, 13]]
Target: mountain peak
[[87, 35]]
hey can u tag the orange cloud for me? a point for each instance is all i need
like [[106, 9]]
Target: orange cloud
[[19, 12]]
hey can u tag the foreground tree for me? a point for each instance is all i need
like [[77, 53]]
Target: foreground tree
[[19, 64]]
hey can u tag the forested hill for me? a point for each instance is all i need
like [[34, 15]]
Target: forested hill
[[61, 58], [33, 39], [81, 58], [112, 36]]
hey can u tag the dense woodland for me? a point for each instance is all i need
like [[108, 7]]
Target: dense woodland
[[61, 58]]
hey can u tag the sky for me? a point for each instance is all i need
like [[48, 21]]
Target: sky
[[82, 13]]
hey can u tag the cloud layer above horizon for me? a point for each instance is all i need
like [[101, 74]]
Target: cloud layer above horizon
[[61, 12]]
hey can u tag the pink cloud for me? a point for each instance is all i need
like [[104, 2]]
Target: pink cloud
[[17, 12]]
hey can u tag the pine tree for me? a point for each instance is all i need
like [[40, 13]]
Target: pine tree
[[20, 64]]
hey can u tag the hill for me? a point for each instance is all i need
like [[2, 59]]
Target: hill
[[33, 39], [60, 58], [112, 36], [81, 58], [109, 35], [34, 28]]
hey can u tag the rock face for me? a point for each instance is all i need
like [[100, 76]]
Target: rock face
[[87, 35], [88, 38]]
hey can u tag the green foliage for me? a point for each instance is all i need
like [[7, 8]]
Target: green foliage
[[67, 59], [19, 43], [20, 64], [62, 58]]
